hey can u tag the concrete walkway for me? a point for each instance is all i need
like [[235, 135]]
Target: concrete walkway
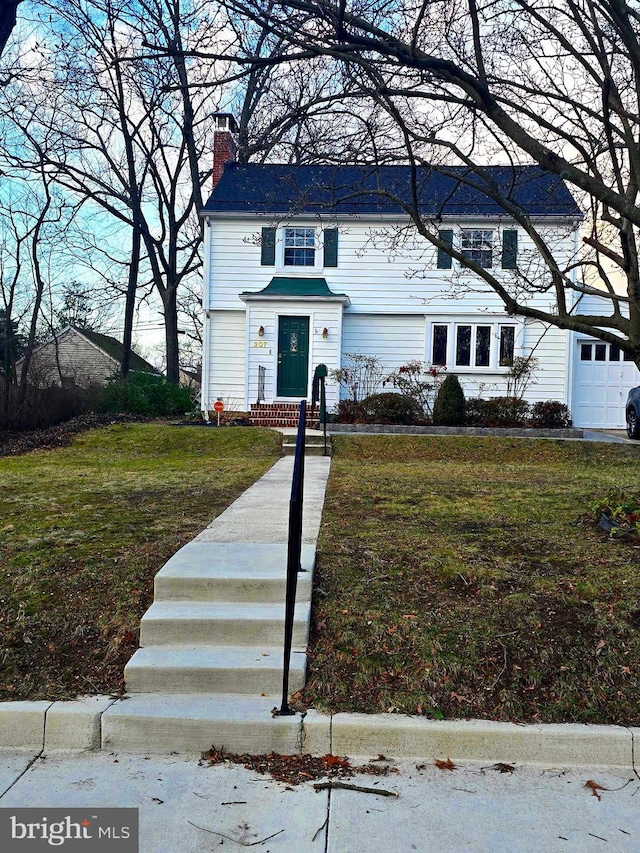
[[472, 809], [543, 805]]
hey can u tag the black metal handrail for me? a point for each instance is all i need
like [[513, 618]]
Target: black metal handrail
[[318, 393], [294, 552]]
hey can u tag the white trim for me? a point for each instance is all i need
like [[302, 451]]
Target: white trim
[[267, 297], [276, 218], [571, 337], [247, 341], [206, 324]]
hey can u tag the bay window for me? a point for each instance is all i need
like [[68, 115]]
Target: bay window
[[472, 345]]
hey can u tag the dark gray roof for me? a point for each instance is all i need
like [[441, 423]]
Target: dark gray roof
[[258, 188], [113, 348]]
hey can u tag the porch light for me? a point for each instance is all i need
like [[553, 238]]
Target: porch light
[[261, 332], [325, 333]]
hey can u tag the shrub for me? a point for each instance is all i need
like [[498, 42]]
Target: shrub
[[474, 411], [448, 408], [550, 414], [349, 412], [500, 412], [144, 394], [520, 375], [361, 377], [414, 379], [390, 408]]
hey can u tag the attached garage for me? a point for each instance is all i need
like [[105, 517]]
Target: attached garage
[[603, 376]]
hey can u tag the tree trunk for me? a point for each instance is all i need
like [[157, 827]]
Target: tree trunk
[[130, 304], [171, 335]]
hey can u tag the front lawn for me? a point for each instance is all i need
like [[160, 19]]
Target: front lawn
[[83, 531], [456, 579]]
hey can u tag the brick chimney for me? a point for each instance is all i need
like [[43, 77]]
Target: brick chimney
[[224, 146]]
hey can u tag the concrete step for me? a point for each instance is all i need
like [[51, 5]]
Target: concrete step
[[220, 623], [164, 723], [274, 422], [309, 449], [212, 669], [211, 571]]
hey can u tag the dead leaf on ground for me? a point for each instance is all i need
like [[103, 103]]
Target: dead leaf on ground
[[594, 788], [459, 698], [445, 765], [334, 761]]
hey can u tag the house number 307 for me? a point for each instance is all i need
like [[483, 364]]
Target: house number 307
[[259, 344]]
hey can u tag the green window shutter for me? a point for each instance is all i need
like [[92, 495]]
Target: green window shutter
[[268, 247], [509, 250], [331, 247], [445, 260]]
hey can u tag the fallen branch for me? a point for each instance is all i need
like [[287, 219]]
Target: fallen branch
[[229, 838], [319, 830], [331, 786]]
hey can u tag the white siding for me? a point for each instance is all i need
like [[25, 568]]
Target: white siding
[[394, 339], [549, 346], [396, 293], [226, 358], [379, 268]]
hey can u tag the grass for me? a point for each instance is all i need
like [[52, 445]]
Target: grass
[[456, 578], [84, 529]]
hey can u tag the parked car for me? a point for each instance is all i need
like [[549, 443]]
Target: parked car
[[633, 413]]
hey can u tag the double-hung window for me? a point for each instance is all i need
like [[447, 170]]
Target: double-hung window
[[476, 244], [472, 345], [299, 247]]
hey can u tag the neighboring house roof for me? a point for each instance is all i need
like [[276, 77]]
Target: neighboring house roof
[[109, 346], [113, 347], [266, 188]]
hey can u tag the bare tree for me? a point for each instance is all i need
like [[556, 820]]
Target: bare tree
[[119, 129], [471, 82]]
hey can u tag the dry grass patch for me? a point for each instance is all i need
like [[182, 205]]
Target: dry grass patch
[[83, 531], [455, 579]]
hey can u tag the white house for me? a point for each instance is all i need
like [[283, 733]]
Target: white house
[[306, 264]]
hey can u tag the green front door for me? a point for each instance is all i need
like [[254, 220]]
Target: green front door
[[293, 356]]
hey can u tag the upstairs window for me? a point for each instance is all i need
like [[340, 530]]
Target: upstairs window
[[299, 247], [477, 246]]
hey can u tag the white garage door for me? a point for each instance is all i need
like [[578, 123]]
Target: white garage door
[[603, 377]]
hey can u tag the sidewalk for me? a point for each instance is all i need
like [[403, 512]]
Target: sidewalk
[[472, 809]]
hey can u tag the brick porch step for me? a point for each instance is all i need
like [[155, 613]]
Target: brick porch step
[[280, 415]]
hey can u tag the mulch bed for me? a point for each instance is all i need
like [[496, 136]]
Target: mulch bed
[[297, 769], [61, 435]]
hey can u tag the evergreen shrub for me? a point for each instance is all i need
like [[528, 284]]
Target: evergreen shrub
[[449, 405], [144, 394]]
